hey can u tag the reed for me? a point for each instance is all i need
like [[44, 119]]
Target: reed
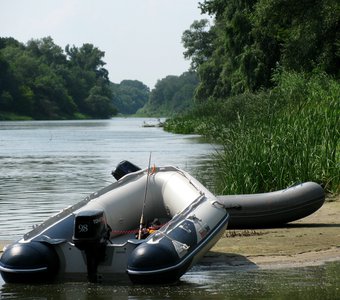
[[273, 139], [295, 140]]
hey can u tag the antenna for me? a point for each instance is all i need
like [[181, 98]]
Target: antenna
[[145, 194]]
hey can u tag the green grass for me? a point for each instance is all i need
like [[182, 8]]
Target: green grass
[[297, 143], [7, 116], [275, 138]]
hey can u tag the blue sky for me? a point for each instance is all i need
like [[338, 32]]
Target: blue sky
[[141, 38]]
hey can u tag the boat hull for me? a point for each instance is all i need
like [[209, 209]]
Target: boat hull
[[167, 255], [274, 208]]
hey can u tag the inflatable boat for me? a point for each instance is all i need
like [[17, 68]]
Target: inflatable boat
[[151, 224], [274, 208], [265, 209]]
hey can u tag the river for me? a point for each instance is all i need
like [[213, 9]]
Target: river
[[48, 165]]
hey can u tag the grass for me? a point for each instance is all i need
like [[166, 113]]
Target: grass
[[276, 138], [7, 116], [297, 143]]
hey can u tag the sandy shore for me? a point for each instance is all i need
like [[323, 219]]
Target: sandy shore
[[311, 241]]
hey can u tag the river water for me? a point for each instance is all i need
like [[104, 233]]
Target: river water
[[48, 165]]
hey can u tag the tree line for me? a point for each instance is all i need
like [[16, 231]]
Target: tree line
[[250, 39], [172, 95], [40, 80], [268, 91]]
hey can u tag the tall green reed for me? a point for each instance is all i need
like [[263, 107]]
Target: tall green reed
[[295, 139]]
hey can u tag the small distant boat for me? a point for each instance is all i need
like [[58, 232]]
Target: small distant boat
[[159, 123], [152, 225]]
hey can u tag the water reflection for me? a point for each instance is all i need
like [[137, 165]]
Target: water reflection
[[202, 282]]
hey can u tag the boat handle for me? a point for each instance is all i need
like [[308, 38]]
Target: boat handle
[[227, 207], [217, 204]]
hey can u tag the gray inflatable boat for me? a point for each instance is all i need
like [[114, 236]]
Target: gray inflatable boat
[[261, 210], [265, 209], [274, 208]]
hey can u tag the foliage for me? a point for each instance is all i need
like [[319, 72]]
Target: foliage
[[40, 81], [250, 38], [294, 143], [268, 92], [198, 42], [129, 96], [275, 138], [171, 95]]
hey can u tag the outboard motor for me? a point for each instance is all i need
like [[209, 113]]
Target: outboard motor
[[91, 235], [123, 168]]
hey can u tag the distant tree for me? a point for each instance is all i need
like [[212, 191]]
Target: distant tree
[[88, 81], [172, 95], [129, 96], [47, 51], [39, 80], [98, 105]]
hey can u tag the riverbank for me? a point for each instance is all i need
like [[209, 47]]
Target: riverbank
[[311, 241]]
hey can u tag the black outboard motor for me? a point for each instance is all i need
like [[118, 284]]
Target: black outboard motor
[[123, 168], [91, 235]]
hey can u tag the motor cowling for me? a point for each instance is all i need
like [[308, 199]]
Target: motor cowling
[[123, 168], [91, 235]]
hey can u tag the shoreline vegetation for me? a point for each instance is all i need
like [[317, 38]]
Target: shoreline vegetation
[[273, 139], [268, 92]]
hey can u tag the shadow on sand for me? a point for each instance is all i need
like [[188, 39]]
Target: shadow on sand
[[231, 260]]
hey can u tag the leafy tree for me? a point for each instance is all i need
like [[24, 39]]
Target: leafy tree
[[47, 51], [129, 96], [98, 105], [198, 42], [249, 39], [39, 80], [306, 33], [88, 80], [172, 95]]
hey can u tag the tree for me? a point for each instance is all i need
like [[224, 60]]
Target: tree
[[198, 42], [98, 105], [88, 81], [130, 95], [41, 81], [172, 95], [306, 33], [251, 38], [47, 51]]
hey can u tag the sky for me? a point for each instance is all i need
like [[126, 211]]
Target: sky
[[141, 38]]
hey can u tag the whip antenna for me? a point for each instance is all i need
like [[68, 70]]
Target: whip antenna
[[145, 194]]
